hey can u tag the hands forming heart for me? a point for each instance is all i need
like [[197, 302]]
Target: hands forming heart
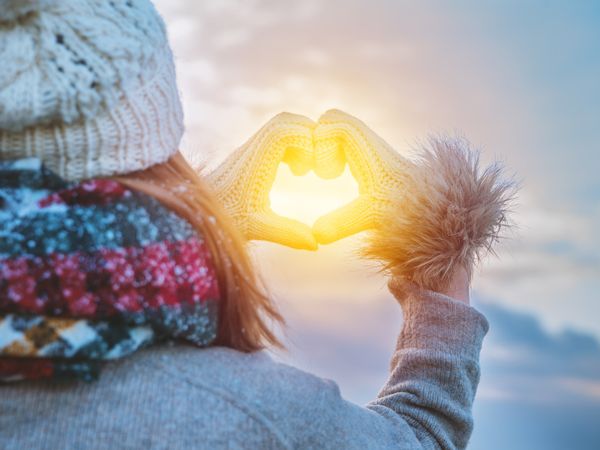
[[431, 219], [243, 181]]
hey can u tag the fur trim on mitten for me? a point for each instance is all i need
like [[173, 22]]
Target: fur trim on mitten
[[450, 213]]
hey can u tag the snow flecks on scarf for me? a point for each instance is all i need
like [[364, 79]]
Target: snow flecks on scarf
[[91, 272]]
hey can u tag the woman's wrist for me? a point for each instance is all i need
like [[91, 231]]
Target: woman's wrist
[[458, 288], [435, 321]]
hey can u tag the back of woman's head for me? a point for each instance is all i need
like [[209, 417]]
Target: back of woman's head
[[77, 110], [245, 312]]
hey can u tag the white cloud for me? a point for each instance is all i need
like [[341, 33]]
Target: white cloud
[[581, 387]]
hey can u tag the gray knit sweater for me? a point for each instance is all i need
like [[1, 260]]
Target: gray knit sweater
[[178, 397]]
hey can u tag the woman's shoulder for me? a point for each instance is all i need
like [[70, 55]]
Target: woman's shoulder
[[252, 378], [293, 405], [210, 392]]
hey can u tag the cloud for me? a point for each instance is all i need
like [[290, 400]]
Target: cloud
[[539, 389], [525, 331], [522, 358]]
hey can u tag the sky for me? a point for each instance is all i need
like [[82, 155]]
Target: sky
[[519, 79]]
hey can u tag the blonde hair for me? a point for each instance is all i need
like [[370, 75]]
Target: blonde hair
[[244, 305]]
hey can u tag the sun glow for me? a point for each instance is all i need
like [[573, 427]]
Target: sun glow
[[309, 197]]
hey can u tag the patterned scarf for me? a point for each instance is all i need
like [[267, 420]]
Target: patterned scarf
[[91, 272]]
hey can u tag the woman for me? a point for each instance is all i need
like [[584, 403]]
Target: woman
[[117, 261]]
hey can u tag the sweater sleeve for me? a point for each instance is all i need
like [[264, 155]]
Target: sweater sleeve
[[434, 370]]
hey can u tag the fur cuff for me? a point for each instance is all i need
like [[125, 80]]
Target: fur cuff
[[449, 215]]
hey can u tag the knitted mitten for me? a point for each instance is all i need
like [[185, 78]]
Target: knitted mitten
[[429, 218], [243, 181], [379, 170]]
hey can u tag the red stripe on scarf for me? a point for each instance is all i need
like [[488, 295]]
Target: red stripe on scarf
[[109, 282], [91, 192], [25, 368]]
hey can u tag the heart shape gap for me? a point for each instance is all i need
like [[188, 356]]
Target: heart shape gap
[[308, 197]]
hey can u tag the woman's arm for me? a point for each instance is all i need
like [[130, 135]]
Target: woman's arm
[[435, 367], [427, 400], [430, 221]]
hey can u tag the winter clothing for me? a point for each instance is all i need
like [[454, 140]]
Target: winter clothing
[[88, 86], [447, 216], [93, 271], [428, 216], [217, 398], [378, 169], [244, 180]]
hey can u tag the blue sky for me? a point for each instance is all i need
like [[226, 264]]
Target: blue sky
[[520, 80]]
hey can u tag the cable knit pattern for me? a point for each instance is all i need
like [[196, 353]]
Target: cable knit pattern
[[377, 168], [243, 181], [90, 87]]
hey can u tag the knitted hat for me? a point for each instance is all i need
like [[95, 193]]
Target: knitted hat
[[87, 86]]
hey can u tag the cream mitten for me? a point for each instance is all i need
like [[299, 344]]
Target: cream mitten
[[379, 170], [243, 181], [429, 218]]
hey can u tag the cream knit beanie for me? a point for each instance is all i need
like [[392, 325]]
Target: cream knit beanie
[[87, 86]]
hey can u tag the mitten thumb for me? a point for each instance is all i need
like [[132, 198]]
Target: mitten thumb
[[268, 226], [350, 219], [329, 157]]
